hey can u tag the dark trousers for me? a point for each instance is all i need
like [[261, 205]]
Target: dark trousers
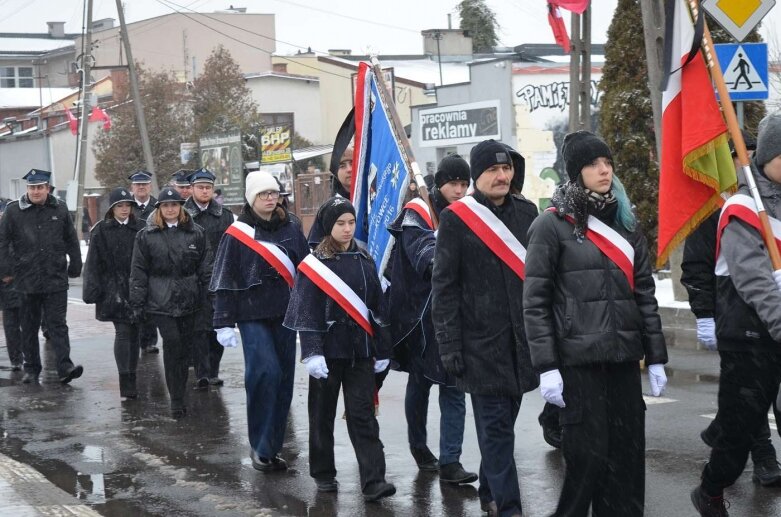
[[452, 407], [603, 441], [177, 343], [207, 354], [356, 377], [12, 326], [147, 334], [126, 347], [269, 368], [54, 307], [495, 422], [748, 386]]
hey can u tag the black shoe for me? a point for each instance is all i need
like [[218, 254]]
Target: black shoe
[[16, 367], [379, 490], [73, 373], [30, 378], [201, 384], [490, 508], [455, 473], [709, 506], [216, 381], [425, 459], [127, 386], [265, 464], [552, 436], [327, 485], [151, 350], [766, 472]]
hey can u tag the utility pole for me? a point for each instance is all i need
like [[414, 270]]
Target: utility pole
[[437, 35], [653, 29], [81, 156], [580, 72], [137, 103]]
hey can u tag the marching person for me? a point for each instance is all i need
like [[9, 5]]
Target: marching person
[[335, 295], [477, 288], [412, 328], [141, 187], [214, 219], [342, 171], [11, 302], [36, 235], [171, 269], [253, 274], [699, 279], [107, 282], [591, 316], [748, 325], [181, 182]]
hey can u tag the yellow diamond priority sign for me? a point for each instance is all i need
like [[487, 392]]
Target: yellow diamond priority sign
[[738, 17]]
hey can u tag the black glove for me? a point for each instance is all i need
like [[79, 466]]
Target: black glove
[[74, 270], [453, 363]]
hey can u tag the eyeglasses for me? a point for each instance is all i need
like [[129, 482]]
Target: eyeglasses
[[269, 194]]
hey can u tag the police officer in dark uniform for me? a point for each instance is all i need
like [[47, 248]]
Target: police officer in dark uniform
[[36, 233], [140, 186], [214, 219], [181, 182]]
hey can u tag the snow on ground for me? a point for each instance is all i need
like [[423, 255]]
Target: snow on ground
[[664, 294]]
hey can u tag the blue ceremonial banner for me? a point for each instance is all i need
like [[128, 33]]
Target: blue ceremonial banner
[[381, 177]]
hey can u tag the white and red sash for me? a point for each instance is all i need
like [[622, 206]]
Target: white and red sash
[[742, 207], [336, 288], [270, 252], [615, 247], [494, 234], [421, 208]]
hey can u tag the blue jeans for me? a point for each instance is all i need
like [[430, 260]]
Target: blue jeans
[[269, 365], [452, 407], [495, 422]]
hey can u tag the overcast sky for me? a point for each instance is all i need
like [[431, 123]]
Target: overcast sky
[[389, 27]]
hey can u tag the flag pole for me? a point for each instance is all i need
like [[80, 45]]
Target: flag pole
[[737, 138], [401, 136]]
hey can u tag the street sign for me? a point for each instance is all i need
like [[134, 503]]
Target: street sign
[[744, 66], [738, 17]]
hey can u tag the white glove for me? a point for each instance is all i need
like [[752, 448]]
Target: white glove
[[552, 388], [657, 378], [380, 365], [227, 337], [777, 277], [316, 366], [706, 332]]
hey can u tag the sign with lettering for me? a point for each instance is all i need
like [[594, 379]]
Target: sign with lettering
[[459, 124], [276, 143]]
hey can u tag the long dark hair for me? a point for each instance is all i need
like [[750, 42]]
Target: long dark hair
[[328, 247]]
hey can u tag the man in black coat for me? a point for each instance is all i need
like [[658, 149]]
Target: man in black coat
[[36, 234], [478, 315], [140, 186], [214, 219], [412, 328]]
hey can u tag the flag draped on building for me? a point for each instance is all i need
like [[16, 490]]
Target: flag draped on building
[[380, 173], [696, 164]]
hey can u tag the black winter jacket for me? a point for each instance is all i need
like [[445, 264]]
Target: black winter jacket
[[149, 207], [107, 269], [171, 269], [34, 240], [324, 327], [245, 286], [477, 303], [699, 262], [578, 306]]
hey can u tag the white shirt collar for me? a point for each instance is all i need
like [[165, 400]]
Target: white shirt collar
[[122, 222], [202, 207], [172, 225]]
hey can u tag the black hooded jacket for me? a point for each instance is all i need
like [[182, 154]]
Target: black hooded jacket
[[477, 307]]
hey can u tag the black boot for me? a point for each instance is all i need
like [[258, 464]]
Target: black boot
[[455, 473], [425, 459], [127, 385]]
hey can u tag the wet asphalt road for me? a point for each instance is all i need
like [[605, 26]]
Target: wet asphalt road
[[130, 458]]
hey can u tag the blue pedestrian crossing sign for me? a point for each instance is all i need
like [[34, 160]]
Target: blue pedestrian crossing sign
[[744, 66]]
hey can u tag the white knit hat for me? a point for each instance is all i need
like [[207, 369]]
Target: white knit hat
[[257, 182]]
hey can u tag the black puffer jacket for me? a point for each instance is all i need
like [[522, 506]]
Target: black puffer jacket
[[34, 240], [171, 269], [477, 303], [578, 306], [699, 262], [107, 269]]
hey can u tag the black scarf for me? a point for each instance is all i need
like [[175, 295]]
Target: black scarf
[[579, 202]]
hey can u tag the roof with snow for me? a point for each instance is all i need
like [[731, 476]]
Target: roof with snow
[[32, 97]]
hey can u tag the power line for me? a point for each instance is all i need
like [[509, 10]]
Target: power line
[[355, 18]]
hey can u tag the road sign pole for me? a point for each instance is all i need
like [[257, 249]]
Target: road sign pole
[[739, 112]]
